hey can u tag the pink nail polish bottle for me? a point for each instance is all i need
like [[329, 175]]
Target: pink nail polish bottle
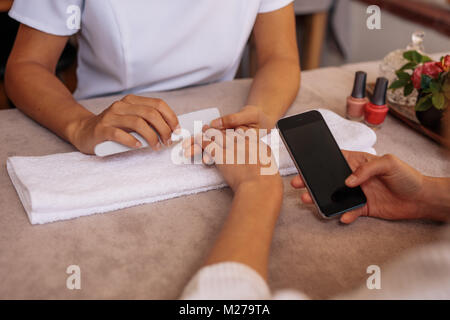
[[358, 100]]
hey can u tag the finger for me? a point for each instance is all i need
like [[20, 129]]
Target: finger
[[155, 119], [139, 125], [351, 216], [192, 151], [242, 118], [215, 135], [375, 167], [188, 142], [167, 113], [207, 159], [120, 136], [297, 182], [306, 198]]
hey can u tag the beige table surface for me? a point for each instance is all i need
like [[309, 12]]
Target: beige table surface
[[151, 251]]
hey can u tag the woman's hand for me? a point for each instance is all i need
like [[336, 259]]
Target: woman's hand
[[394, 190], [240, 156], [258, 193], [248, 117], [147, 116]]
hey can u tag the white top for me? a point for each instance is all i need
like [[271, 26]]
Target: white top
[[149, 45], [419, 274]]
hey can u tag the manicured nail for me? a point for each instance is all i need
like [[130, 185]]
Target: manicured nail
[[138, 144], [158, 146], [177, 130], [217, 123]]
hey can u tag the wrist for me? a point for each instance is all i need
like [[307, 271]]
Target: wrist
[[434, 201], [265, 189], [74, 127]]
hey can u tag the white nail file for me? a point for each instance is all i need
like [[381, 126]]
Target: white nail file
[[186, 121]]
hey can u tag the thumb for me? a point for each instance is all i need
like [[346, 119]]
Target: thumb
[[241, 118], [351, 216], [377, 167]]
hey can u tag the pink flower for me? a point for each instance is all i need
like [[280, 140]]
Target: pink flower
[[445, 63], [432, 69]]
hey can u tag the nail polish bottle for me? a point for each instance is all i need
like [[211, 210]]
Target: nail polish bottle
[[376, 110], [357, 101]]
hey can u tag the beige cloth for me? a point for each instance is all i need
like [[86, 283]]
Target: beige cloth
[[151, 251]]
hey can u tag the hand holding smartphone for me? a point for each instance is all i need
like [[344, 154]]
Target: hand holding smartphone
[[321, 163]]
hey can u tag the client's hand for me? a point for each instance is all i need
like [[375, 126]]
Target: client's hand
[[394, 190], [248, 117], [240, 157], [146, 116]]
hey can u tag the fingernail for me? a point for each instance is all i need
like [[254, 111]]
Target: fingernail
[[177, 130], [158, 146], [138, 144], [217, 123], [169, 142], [351, 180]]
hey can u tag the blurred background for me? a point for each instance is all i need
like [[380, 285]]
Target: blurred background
[[330, 33]]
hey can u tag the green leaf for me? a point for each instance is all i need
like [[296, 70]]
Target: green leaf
[[397, 84], [426, 59], [409, 66], [424, 103], [439, 101], [413, 56], [425, 81], [403, 75], [435, 87], [408, 89]]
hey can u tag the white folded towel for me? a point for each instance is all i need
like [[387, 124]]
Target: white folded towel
[[69, 185]]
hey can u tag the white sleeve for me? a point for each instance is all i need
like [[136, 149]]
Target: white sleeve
[[273, 5], [226, 281], [232, 281], [49, 16]]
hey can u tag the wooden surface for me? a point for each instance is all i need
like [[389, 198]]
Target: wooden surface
[[394, 109], [316, 27]]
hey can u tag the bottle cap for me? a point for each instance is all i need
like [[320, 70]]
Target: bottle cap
[[359, 87], [379, 93]]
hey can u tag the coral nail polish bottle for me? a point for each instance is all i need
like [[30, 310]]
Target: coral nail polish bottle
[[376, 110], [357, 101]]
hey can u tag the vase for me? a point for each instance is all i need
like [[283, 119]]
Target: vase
[[431, 118]]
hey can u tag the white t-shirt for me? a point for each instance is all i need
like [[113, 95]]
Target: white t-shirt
[[149, 45]]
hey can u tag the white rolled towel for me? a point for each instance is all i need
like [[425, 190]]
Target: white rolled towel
[[70, 185]]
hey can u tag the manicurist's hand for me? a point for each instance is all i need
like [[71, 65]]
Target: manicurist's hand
[[147, 116], [394, 190]]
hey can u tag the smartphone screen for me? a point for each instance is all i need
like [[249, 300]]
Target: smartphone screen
[[320, 162]]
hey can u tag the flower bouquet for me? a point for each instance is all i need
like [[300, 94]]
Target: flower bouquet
[[431, 79]]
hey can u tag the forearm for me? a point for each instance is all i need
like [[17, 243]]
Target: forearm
[[435, 201], [41, 95], [247, 233], [275, 87]]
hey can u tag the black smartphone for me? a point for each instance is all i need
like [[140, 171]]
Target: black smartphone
[[321, 163]]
